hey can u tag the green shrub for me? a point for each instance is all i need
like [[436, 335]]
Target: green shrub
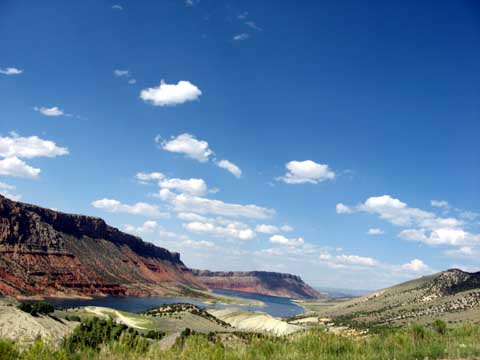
[[8, 350], [73, 318], [41, 307], [440, 327], [92, 333], [154, 335]]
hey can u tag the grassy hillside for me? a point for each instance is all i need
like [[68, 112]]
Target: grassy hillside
[[452, 296], [413, 342]]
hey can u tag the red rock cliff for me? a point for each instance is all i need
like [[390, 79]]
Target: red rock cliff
[[45, 252], [258, 282]]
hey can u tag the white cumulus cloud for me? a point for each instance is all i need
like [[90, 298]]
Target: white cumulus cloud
[[231, 167], [10, 71], [423, 226], [375, 231], [13, 166], [14, 148], [171, 94], [144, 177], [308, 171], [148, 227], [29, 147], [282, 240], [234, 230], [416, 265], [140, 208], [53, 111], [188, 145], [191, 186], [266, 229], [202, 205]]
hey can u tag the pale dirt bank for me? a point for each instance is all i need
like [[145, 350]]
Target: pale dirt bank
[[24, 328], [255, 321]]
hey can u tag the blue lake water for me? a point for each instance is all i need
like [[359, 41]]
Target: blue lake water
[[275, 306]]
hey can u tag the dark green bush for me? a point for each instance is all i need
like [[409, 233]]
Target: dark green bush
[[41, 307], [440, 327], [154, 335], [73, 318], [92, 333]]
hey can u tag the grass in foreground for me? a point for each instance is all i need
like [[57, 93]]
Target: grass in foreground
[[414, 342]]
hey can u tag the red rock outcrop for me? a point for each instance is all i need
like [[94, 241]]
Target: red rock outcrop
[[45, 252], [258, 282]]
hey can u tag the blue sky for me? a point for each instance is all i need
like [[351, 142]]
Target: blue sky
[[342, 121]]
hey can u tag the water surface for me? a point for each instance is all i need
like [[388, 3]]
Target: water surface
[[275, 306]]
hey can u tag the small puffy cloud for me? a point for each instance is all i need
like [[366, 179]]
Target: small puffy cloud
[[202, 205], [13, 166], [188, 145], [53, 111], [29, 147], [440, 204], [286, 228], [231, 167], [375, 231], [232, 230], [308, 171], [241, 37], [415, 265], [10, 71], [191, 186], [242, 15], [282, 240], [121, 73], [266, 229], [343, 209], [144, 177], [171, 94], [140, 208], [117, 7], [147, 227]]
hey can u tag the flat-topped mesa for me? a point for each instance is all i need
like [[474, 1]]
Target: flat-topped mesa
[[47, 252], [260, 282], [31, 226]]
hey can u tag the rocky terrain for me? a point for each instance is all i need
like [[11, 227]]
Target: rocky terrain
[[259, 282], [452, 295], [45, 252]]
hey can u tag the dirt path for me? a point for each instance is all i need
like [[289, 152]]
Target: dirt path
[[117, 315]]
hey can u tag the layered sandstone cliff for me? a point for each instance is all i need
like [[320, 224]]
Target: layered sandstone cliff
[[259, 282], [45, 252]]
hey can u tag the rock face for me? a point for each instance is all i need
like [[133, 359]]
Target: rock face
[[45, 252], [259, 282], [453, 281]]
